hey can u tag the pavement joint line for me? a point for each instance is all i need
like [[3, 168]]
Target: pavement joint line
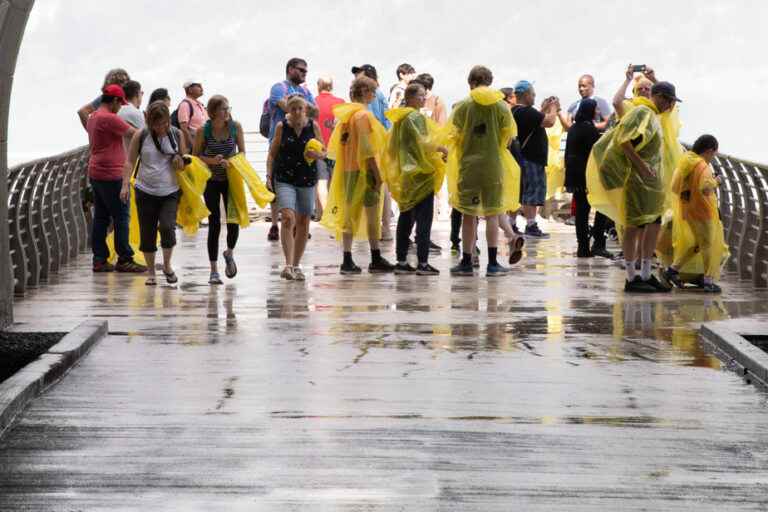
[[35, 378], [750, 361]]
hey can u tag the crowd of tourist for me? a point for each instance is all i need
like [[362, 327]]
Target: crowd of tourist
[[347, 163]]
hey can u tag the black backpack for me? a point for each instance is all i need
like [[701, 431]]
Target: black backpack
[[175, 114]]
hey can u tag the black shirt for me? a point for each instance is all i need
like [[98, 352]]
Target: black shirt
[[581, 137], [290, 165], [529, 121]]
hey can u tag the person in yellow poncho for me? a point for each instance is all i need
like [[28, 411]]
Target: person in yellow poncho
[[483, 177], [625, 181], [354, 203], [157, 150], [698, 244], [413, 170]]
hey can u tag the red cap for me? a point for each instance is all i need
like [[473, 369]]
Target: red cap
[[116, 91]]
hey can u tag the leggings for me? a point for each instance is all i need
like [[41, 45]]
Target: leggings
[[582, 222], [215, 191], [455, 226]]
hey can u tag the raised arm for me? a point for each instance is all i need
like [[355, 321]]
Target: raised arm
[[618, 98]]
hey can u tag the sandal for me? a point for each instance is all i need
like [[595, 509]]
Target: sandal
[[231, 268], [516, 250], [171, 277], [151, 281]]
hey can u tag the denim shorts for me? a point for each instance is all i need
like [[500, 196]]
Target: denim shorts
[[299, 199], [534, 189]]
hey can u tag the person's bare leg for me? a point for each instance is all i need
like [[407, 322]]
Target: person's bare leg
[[273, 209], [372, 223], [321, 192], [287, 240], [346, 239], [167, 267], [149, 258], [492, 230], [648, 247], [386, 216], [468, 233], [505, 226], [632, 235], [300, 242]]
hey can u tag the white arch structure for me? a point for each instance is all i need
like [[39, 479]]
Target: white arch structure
[[13, 20]]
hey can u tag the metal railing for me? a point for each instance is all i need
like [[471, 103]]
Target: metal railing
[[46, 221]]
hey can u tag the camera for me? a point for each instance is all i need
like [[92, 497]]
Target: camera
[[638, 68]]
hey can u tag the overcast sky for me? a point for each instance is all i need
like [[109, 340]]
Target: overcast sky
[[713, 51]]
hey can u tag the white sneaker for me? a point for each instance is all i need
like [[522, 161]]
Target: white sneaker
[[298, 275]]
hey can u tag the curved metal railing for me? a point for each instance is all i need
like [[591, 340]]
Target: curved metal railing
[[47, 222]]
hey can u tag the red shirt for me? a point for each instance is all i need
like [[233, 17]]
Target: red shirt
[[325, 102], [105, 132]]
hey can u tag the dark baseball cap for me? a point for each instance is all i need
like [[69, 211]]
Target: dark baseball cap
[[665, 89], [367, 70]]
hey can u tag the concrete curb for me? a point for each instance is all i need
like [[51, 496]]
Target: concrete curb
[[749, 361], [32, 380]]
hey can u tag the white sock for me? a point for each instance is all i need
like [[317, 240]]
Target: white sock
[[631, 272], [645, 269]]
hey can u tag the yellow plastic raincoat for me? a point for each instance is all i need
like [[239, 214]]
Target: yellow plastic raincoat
[[312, 145], [615, 188], [192, 180], [483, 177], [555, 161], [239, 175], [413, 168], [694, 232], [353, 195]]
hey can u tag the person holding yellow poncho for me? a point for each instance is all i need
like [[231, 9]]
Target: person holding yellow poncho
[[413, 170], [155, 152], [483, 177], [625, 181], [698, 244], [354, 205]]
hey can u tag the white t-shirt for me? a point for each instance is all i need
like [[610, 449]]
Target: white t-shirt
[[156, 175]]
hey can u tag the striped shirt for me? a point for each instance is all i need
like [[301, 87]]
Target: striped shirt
[[213, 147]]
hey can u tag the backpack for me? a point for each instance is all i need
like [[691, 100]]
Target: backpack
[[265, 121], [175, 114]]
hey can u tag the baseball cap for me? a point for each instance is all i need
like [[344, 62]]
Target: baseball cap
[[367, 70], [190, 83], [115, 91], [523, 86], [665, 89]]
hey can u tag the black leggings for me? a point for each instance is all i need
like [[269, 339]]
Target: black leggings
[[582, 223], [421, 215], [215, 191]]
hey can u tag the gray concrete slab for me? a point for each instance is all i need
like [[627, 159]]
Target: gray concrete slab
[[545, 390]]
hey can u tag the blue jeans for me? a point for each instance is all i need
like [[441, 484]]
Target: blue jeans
[[107, 207]]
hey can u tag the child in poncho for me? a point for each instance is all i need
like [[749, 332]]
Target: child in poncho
[[698, 244], [483, 177], [413, 171], [354, 203]]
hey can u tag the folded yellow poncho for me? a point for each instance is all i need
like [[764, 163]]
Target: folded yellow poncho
[[239, 175]]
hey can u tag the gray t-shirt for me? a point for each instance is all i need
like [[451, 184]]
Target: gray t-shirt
[[156, 175], [604, 109], [132, 115]]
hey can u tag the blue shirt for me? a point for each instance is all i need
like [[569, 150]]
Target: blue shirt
[[279, 91], [378, 106]]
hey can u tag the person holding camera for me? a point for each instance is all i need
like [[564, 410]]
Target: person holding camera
[[220, 138], [158, 148]]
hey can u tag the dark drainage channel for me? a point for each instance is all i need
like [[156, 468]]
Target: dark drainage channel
[[746, 353], [18, 349]]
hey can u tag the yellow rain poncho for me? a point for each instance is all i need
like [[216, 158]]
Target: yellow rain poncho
[[312, 145], [192, 180], [555, 161], [615, 188], [694, 241], [239, 175], [412, 167], [358, 137], [483, 177]]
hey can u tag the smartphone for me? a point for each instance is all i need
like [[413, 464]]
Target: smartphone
[[638, 68]]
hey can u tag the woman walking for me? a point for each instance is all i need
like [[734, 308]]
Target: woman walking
[[158, 149], [292, 162], [220, 138]]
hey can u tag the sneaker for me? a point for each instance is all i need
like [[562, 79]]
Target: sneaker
[[130, 267], [658, 285], [672, 277], [298, 274], [495, 270], [602, 253], [274, 233], [516, 250], [103, 266], [475, 261], [455, 249], [349, 269], [533, 231], [462, 269], [637, 285], [287, 274], [215, 278], [380, 267], [230, 270], [404, 269], [434, 248], [570, 221], [711, 288], [426, 270]]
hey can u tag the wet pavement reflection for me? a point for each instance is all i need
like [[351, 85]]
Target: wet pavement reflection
[[389, 393]]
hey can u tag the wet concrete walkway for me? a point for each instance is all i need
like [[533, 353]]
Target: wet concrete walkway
[[545, 390]]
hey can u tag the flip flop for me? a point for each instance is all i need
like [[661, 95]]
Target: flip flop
[[516, 250], [171, 278], [151, 281]]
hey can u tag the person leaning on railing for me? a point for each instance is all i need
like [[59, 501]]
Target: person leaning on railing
[[158, 149]]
